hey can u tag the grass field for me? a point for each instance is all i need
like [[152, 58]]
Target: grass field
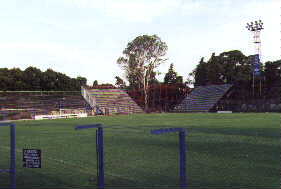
[[224, 151]]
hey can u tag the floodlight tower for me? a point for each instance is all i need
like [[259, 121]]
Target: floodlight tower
[[255, 28]]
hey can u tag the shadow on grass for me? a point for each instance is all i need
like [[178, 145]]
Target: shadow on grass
[[31, 179], [257, 132], [243, 131]]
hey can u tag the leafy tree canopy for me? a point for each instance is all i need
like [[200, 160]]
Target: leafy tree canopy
[[227, 67], [171, 77], [140, 59], [33, 79]]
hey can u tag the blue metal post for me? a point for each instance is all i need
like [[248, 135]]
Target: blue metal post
[[99, 149], [182, 150], [100, 158], [12, 169], [13, 156], [97, 153]]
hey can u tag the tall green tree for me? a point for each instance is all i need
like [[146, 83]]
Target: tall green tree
[[49, 80], [5, 80], [33, 76], [16, 76], [81, 80], [227, 67], [140, 59], [190, 79], [200, 73], [34, 79], [235, 66], [171, 75], [95, 83], [273, 73]]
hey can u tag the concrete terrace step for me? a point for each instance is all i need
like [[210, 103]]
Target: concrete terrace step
[[115, 100], [203, 98]]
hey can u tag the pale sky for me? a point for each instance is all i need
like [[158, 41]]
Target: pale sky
[[85, 37]]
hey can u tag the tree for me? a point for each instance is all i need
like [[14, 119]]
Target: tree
[[34, 79], [16, 76], [49, 80], [120, 83], [95, 83], [4, 79], [200, 73], [131, 73], [141, 57], [153, 79], [63, 82], [214, 70], [235, 66], [190, 79], [228, 67], [179, 79], [171, 75], [32, 76], [81, 80], [273, 73]]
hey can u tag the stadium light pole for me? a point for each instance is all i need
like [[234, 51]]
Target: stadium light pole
[[256, 27]]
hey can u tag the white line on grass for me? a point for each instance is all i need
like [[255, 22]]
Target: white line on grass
[[73, 165]]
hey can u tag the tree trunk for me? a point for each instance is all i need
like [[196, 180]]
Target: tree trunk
[[145, 95]]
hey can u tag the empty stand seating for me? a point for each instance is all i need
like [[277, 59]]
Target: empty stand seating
[[202, 98], [111, 101], [25, 105]]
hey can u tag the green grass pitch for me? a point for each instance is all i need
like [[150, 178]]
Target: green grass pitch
[[224, 151]]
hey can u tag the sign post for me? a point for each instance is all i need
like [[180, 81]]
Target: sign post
[[182, 151], [12, 169]]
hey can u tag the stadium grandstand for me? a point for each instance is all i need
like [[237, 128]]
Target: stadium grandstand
[[203, 98], [230, 98], [16, 105], [110, 101], [29, 104]]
